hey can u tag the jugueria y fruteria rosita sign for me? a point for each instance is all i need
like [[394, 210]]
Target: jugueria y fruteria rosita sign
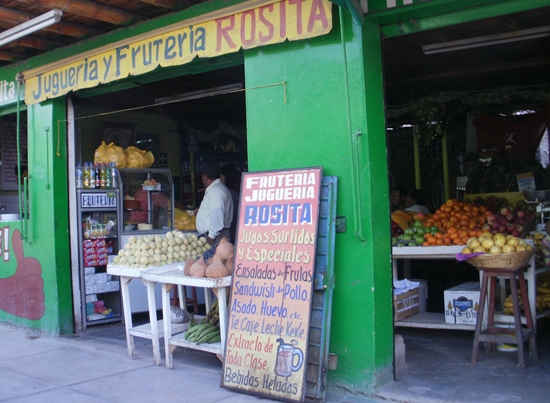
[[214, 34], [271, 293]]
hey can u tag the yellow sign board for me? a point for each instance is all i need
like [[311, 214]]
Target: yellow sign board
[[265, 25]]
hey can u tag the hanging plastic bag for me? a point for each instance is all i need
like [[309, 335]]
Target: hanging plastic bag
[[138, 159], [110, 153]]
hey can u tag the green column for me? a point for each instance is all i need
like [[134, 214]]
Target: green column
[[334, 117]]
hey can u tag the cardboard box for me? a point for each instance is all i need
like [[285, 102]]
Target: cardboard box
[[406, 304], [462, 303], [89, 280], [100, 278], [101, 288], [91, 298], [113, 285]]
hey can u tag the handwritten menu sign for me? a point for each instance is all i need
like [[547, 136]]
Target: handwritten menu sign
[[271, 294]]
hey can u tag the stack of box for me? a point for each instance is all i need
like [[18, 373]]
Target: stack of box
[[97, 283], [95, 252]]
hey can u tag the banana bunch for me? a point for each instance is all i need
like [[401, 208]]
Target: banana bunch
[[543, 291], [542, 299], [203, 333], [213, 315], [509, 306], [541, 251]]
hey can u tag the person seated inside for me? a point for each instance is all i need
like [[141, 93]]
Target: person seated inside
[[415, 201], [397, 198]]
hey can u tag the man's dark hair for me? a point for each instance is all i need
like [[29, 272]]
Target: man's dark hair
[[211, 170], [418, 196], [401, 189]]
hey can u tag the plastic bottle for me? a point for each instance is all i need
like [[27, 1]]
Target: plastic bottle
[[97, 176], [114, 176], [86, 176], [102, 173], [78, 174], [107, 170], [92, 176]]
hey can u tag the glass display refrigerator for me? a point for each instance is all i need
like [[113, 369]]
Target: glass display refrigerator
[[98, 240], [146, 208]]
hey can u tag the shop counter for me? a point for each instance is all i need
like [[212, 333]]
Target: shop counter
[[176, 277]]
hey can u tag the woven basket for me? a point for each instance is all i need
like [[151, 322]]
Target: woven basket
[[510, 261]]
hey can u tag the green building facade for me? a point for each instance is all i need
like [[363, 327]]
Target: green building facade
[[330, 113]]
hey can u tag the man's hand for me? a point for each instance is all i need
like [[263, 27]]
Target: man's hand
[[210, 240]]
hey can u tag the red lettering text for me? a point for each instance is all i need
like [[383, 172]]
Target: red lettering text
[[252, 15], [224, 31], [270, 27], [318, 12], [298, 4]]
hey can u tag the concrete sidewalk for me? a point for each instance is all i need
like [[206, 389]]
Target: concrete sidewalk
[[94, 368]]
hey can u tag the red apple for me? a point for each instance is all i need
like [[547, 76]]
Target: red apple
[[487, 227], [511, 216], [504, 210], [516, 233], [520, 213]]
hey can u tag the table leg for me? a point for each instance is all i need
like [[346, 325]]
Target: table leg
[[127, 315], [153, 320], [222, 303], [167, 324], [207, 298]]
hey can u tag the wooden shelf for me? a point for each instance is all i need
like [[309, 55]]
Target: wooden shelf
[[431, 320]]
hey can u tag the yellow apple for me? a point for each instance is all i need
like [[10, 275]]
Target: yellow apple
[[520, 248], [495, 249], [466, 250], [513, 241], [487, 243], [479, 249], [508, 248], [500, 240]]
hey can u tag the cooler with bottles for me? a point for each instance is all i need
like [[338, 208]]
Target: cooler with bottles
[[98, 201]]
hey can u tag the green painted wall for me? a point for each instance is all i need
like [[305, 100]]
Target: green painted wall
[[328, 101], [46, 248]]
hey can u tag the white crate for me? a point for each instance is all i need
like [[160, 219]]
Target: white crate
[[89, 271], [462, 303], [90, 289]]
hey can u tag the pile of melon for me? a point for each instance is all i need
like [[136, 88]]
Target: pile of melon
[[160, 250]]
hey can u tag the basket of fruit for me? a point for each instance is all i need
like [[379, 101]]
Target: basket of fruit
[[511, 261], [498, 251]]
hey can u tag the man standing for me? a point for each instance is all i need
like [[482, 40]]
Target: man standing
[[216, 210]]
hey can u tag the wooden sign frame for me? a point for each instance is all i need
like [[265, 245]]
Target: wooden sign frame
[[272, 286]]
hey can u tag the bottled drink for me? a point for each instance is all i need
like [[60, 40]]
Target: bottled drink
[[78, 173], [92, 176], [114, 176], [97, 176], [107, 169], [102, 173], [86, 176]]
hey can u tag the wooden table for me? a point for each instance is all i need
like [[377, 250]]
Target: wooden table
[[148, 330], [169, 278]]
